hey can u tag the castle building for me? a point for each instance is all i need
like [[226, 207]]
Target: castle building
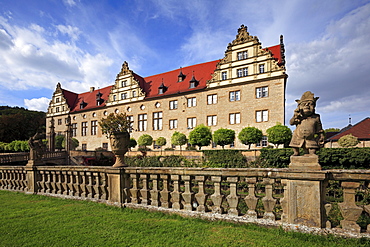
[[244, 88]]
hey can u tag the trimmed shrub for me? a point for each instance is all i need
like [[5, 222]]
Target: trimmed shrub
[[225, 158]]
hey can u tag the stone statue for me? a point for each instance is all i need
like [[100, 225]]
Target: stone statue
[[308, 134], [36, 147]]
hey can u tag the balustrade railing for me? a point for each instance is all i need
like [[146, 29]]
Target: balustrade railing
[[249, 194]]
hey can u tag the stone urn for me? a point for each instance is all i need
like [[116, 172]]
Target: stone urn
[[120, 143]]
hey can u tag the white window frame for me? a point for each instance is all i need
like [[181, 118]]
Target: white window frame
[[133, 94], [262, 116], [192, 102], [142, 122], [239, 73], [245, 71], [262, 92], [234, 95], [84, 128], [234, 118], [94, 127], [211, 99], [157, 120], [192, 122], [124, 96], [212, 120], [261, 68], [224, 75], [173, 124], [131, 119], [173, 104]]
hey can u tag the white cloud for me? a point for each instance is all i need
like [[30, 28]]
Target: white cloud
[[69, 3], [73, 32], [40, 104]]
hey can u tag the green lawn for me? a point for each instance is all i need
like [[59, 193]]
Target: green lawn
[[32, 220]]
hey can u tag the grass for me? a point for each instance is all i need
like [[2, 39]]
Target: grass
[[33, 220]]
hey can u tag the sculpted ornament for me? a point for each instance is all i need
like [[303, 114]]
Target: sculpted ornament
[[308, 134]]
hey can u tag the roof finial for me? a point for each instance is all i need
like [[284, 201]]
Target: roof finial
[[349, 119]]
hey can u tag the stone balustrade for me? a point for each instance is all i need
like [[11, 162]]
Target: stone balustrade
[[271, 195]]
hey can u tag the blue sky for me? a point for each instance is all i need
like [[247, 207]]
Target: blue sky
[[83, 43]]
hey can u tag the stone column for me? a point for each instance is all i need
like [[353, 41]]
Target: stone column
[[51, 136], [251, 199], [31, 180], [233, 198], [350, 211], [217, 197], [115, 184], [201, 196], [187, 195]]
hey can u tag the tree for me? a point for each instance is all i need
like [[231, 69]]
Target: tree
[[279, 134], [250, 135], [331, 130], [348, 141], [223, 137], [58, 142], [161, 141], [200, 136], [178, 139], [145, 140], [132, 143]]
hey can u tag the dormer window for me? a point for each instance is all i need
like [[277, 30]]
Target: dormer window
[[181, 76], [99, 100], [193, 82], [83, 104], [162, 89]]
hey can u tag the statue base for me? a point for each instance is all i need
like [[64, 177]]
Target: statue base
[[305, 162]]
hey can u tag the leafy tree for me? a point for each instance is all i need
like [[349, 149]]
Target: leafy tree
[[58, 142], [223, 137], [250, 135], [161, 141], [331, 130], [132, 143], [178, 139], [74, 144], [348, 141], [200, 136], [145, 140], [279, 134]]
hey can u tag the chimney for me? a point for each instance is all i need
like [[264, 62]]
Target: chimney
[[92, 89]]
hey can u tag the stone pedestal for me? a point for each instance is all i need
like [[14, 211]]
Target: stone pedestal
[[306, 198]]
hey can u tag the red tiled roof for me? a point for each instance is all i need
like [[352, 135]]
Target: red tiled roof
[[276, 52], [361, 130], [89, 98], [202, 73]]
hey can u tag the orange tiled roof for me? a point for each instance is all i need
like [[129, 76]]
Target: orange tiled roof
[[361, 130]]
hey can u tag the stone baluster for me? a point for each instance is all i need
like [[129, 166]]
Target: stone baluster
[[251, 199], [154, 192], [78, 185], [103, 186], [58, 182], [217, 197], [89, 186], [9, 179], [2, 179], [201, 196], [96, 185], [268, 201], [284, 201], [53, 183], [187, 195], [176, 193], [65, 182], [16, 180], [41, 183], [165, 193], [84, 191], [350, 211], [134, 191], [126, 188], [48, 182], [233, 198], [70, 184], [144, 190]]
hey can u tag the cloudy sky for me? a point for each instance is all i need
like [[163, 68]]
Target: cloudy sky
[[83, 43]]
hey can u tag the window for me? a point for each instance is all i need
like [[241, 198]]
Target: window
[[105, 145], [94, 127], [240, 72], [192, 123], [131, 119], [84, 147], [173, 104], [74, 129], [124, 96], [57, 100], [173, 124], [84, 128], [224, 76], [234, 118], [262, 116], [157, 120], [192, 102], [142, 122], [59, 121], [245, 71], [133, 94], [124, 83], [212, 120], [212, 99], [114, 97], [262, 92], [242, 55], [262, 68], [263, 142], [234, 95], [57, 110]]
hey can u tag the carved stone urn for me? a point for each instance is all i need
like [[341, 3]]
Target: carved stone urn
[[120, 143]]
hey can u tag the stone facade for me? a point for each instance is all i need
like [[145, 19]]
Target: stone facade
[[245, 88]]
